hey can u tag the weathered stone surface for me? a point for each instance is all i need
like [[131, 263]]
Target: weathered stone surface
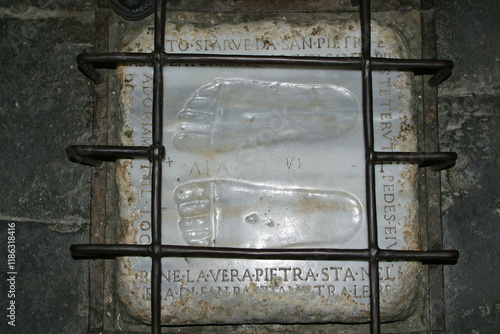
[[471, 204], [476, 71], [50, 287], [46, 106], [469, 107], [233, 134]]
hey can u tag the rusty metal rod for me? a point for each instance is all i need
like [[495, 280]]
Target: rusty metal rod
[[156, 186], [441, 68], [426, 65], [96, 58], [428, 256], [94, 154], [88, 62], [316, 254], [439, 160], [107, 251], [439, 77], [371, 212]]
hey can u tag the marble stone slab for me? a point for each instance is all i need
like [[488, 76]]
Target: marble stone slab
[[268, 157]]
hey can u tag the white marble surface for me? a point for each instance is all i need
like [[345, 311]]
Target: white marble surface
[[268, 157]]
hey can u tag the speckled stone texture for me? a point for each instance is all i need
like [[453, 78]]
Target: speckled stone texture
[[469, 107], [51, 288], [46, 105]]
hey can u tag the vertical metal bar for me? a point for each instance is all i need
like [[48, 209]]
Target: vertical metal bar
[[370, 163], [159, 40], [156, 295]]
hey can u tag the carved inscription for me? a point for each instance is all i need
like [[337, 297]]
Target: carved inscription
[[336, 46], [328, 281]]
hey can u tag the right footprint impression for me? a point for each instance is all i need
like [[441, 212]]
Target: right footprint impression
[[239, 214], [232, 114]]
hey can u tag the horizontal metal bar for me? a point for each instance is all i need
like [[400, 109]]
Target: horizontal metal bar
[[192, 58], [425, 65], [440, 68], [438, 160], [88, 62], [113, 250], [115, 57], [428, 256], [314, 254], [93, 155], [108, 251]]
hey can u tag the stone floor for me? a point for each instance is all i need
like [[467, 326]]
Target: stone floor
[[469, 107], [47, 105]]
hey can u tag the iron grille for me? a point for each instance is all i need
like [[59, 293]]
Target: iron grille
[[95, 154]]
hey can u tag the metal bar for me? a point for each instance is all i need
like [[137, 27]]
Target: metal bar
[[442, 68], [114, 57], [428, 256], [439, 77], [424, 65], [371, 213], [317, 254], [266, 254], [94, 154], [88, 62], [439, 160], [157, 129], [374, 296], [107, 251], [190, 58], [428, 66]]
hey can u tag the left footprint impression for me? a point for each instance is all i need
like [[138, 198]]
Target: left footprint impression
[[230, 114]]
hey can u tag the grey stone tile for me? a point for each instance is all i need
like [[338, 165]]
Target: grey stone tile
[[469, 108], [51, 289], [468, 35], [46, 106], [472, 203]]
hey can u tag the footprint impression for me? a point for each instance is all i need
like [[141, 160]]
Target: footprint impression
[[241, 214], [234, 114]]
